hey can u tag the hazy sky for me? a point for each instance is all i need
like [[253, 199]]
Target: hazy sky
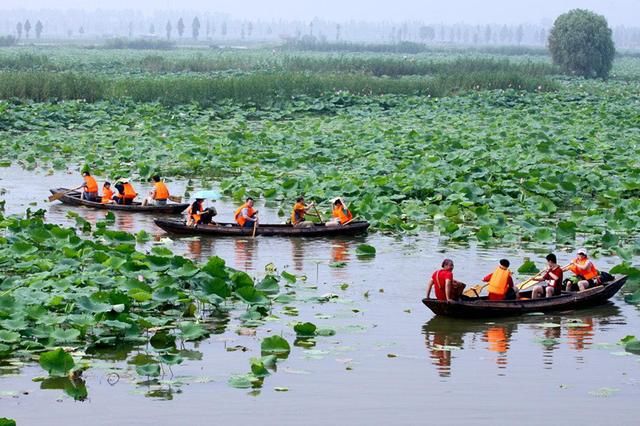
[[618, 12]]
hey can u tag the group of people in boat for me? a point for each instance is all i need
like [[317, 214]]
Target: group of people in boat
[[246, 215], [158, 196], [501, 285]]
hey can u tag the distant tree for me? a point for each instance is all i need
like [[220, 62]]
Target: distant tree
[[543, 36], [130, 29], [152, 29], [27, 28], [519, 34], [338, 29], [242, 31], [487, 34], [195, 28], [19, 29], [208, 28], [69, 33], [168, 29], [180, 27], [580, 43], [81, 30], [223, 29], [39, 28], [427, 33], [311, 28], [213, 29], [249, 29]]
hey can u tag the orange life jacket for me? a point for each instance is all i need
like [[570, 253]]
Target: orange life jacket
[[338, 212], [499, 283], [297, 215], [129, 192], [238, 215], [91, 184], [589, 273], [162, 192], [107, 195]]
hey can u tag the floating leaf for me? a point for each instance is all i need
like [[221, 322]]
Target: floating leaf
[[56, 362]]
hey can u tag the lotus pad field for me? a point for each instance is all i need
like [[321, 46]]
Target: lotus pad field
[[490, 165]]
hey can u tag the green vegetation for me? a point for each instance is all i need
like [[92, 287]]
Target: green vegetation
[[581, 44], [123, 43], [8, 40], [93, 291]]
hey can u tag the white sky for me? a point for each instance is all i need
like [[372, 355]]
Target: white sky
[[618, 12]]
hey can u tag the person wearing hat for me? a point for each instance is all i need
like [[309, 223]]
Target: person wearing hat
[[341, 214], [126, 192], [584, 270]]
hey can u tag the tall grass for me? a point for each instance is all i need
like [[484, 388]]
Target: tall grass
[[260, 88]]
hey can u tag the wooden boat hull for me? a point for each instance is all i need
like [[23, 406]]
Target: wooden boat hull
[[233, 230], [482, 308], [73, 199]]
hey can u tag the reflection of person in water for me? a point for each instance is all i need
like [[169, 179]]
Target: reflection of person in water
[[340, 251], [498, 342], [581, 337], [297, 254], [440, 338], [124, 221], [244, 251]]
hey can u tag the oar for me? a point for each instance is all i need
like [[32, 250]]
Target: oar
[[529, 282], [59, 195], [318, 213], [475, 290], [349, 221], [175, 198]]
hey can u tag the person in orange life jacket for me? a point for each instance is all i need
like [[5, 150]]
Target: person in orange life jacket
[[194, 212], [298, 212], [158, 195], [340, 213], [446, 288], [89, 187], [585, 270], [126, 192], [246, 215], [553, 277], [108, 196], [501, 283]]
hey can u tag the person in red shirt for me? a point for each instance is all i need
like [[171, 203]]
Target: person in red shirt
[[553, 277], [446, 288]]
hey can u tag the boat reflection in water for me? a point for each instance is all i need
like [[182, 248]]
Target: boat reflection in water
[[574, 331], [297, 253]]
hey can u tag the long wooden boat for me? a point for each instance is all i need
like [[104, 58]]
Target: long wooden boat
[[73, 198], [233, 230], [482, 308]]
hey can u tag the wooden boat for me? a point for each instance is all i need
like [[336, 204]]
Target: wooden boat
[[234, 230], [73, 198], [482, 308]]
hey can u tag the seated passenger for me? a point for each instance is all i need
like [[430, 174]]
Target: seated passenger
[[446, 288], [298, 213], [341, 214], [89, 187], [585, 271], [158, 195], [246, 215], [501, 283], [552, 277], [107, 194]]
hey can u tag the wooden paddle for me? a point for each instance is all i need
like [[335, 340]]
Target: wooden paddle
[[175, 198], [318, 213], [349, 221], [59, 195], [529, 282], [475, 290]]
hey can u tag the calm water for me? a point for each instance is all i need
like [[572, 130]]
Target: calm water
[[390, 362]]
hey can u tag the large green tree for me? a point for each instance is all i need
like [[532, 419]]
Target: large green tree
[[581, 44]]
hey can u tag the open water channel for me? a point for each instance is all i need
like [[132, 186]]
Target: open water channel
[[390, 362]]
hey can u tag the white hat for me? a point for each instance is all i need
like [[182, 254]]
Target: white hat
[[333, 201], [582, 251]]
